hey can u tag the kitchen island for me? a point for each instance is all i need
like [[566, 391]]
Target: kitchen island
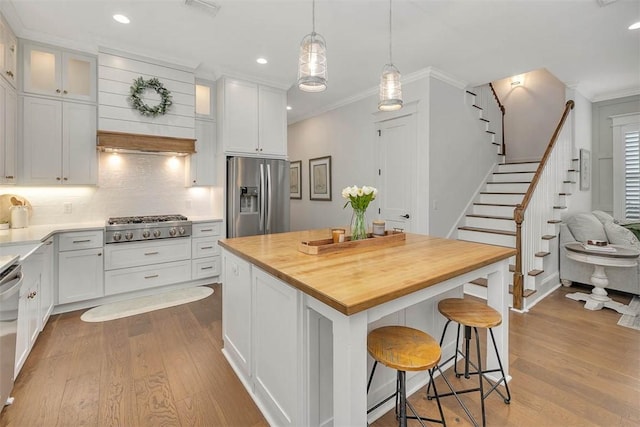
[[276, 297]]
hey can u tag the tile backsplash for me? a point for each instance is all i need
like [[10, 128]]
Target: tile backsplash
[[128, 184]]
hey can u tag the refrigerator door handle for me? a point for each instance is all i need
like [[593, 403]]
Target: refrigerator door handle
[[269, 201], [262, 201]]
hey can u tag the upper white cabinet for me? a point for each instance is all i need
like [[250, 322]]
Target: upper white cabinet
[[201, 166], [252, 118], [59, 142], [54, 72], [8, 53], [8, 126]]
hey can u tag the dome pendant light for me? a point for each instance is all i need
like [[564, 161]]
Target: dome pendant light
[[390, 86], [312, 62]]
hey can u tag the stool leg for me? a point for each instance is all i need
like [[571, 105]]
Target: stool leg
[[375, 363], [507, 400], [467, 339], [403, 398], [444, 332], [480, 375], [435, 392]]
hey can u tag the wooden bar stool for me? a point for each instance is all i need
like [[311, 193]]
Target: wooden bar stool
[[472, 314], [404, 349]]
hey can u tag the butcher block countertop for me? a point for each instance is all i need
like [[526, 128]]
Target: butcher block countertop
[[356, 279]]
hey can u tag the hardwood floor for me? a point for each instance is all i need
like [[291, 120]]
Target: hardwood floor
[[570, 367]]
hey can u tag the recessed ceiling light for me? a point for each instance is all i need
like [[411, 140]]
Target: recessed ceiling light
[[289, 107], [634, 26], [121, 19], [261, 61]]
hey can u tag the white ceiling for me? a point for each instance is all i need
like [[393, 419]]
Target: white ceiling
[[475, 41]]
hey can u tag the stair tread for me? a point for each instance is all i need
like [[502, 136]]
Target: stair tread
[[535, 272], [519, 163], [484, 120], [471, 93], [569, 182], [564, 194], [477, 106], [496, 204], [488, 230], [554, 221], [490, 131], [559, 207], [508, 192], [542, 254], [481, 281], [508, 218], [548, 237], [498, 173], [509, 182]]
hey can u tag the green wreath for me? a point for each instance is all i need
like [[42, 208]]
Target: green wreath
[[137, 90]]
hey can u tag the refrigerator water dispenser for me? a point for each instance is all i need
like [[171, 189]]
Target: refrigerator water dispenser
[[248, 199]]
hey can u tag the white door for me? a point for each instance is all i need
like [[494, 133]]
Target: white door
[[396, 181]]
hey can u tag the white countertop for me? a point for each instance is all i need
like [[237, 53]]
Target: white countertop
[[39, 233]]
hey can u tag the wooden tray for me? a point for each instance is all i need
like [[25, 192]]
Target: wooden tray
[[323, 246]]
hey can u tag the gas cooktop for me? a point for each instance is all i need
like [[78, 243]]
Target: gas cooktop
[[150, 227], [148, 219]]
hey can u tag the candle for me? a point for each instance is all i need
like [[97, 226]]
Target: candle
[[338, 235], [378, 227]]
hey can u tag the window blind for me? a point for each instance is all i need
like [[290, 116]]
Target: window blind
[[632, 174]]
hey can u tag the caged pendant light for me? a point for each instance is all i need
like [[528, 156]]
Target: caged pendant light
[[312, 62], [390, 86]]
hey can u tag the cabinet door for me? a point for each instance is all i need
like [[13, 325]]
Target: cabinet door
[[80, 275], [8, 123], [28, 308], [79, 154], [46, 283], [42, 70], [236, 323], [273, 121], [42, 141], [78, 77], [8, 53], [240, 117], [277, 352], [202, 164]]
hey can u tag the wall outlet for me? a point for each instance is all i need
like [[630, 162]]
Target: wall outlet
[[67, 207]]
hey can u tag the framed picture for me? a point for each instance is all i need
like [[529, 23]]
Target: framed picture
[[320, 178], [585, 169], [295, 179]]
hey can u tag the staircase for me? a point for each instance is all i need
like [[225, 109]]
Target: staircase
[[491, 217], [498, 213]]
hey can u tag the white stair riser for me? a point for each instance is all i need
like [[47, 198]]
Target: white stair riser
[[506, 187], [512, 177], [509, 199], [491, 223], [493, 210], [518, 167], [488, 238]]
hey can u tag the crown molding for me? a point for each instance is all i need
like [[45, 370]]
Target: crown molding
[[615, 95]]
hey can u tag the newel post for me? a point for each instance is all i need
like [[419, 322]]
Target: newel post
[[518, 278]]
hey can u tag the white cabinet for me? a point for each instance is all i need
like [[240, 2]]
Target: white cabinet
[[236, 323], [205, 252], [252, 118], [8, 126], [8, 53], [46, 282], [59, 142], [80, 266], [142, 265], [35, 286], [201, 166], [54, 72]]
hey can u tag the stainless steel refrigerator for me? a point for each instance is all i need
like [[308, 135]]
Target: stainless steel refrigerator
[[257, 196]]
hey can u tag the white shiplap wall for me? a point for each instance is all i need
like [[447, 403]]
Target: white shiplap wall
[[116, 73]]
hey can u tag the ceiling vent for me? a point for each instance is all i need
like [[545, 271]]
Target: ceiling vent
[[208, 6]]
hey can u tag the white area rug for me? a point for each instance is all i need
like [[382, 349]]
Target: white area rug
[[632, 321], [141, 305]]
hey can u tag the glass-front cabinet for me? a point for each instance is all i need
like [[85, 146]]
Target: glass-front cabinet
[[54, 72]]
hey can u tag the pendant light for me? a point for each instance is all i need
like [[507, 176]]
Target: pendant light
[[390, 86], [312, 62]]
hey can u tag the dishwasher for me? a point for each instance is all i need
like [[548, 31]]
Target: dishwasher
[[10, 282]]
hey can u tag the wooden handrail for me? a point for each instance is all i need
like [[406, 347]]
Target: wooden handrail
[[503, 110], [518, 213]]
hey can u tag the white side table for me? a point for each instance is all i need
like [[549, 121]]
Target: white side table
[[598, 298]]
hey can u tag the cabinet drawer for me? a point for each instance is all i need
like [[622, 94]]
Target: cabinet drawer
[[136, 278], [146, 253], [206, 229], [80, 240], [201, 248], [205, 267]]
